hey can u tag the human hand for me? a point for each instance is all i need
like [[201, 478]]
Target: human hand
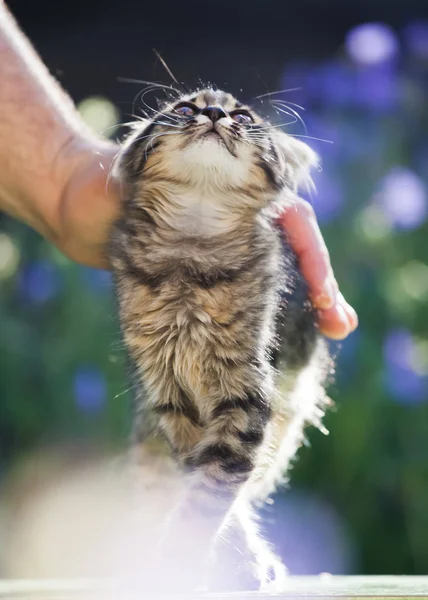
[[337, 319], [90, 203]]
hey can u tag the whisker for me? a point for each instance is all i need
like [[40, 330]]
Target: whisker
[[170, 73], [295, 89], [141, 94], [123, 124], [310, 137], [267, 127], [278, 110], [150, 83], [293, 113], [287, 102], [157, 112], [131, 388], [110, 171]]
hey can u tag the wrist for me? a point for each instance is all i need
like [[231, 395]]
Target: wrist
[[88, 199]]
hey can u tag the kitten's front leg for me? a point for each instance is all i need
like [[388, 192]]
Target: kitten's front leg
[[244, 560], [220, 464]]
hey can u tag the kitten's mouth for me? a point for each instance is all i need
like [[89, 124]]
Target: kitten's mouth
[[213, 134]]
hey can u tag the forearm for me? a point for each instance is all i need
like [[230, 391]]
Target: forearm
[[38, 122]]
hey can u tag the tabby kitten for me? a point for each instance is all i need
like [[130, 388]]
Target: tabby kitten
[[228, 360]]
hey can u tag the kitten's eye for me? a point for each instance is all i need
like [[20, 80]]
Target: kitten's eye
[[242, 117], [186, 110]]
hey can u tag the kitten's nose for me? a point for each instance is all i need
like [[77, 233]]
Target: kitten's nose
[[214, 113]]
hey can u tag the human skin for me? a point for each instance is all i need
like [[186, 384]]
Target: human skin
[[54, 176]]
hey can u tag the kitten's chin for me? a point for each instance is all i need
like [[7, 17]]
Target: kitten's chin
[[210, 149], [210, 143], [209, 161]]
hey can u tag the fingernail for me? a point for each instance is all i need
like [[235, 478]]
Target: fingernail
[[353, 317], [342, 316], [349, 311], [328, 296], [339, 329]]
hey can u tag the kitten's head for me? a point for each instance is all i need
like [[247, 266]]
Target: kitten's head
[[210, 138]]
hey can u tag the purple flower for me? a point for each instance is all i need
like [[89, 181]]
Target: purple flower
[[371, 43], [403, 198], [90, 389], [39, 282], [400, 380], [406, 386], [335, 83], [416, 37], [377, 87], [397, 348]]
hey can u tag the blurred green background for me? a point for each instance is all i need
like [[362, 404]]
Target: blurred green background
[[358, 498]]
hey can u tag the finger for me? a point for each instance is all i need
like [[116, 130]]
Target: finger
[[300, 225], [350, 312], [334, 323], [338, 321]]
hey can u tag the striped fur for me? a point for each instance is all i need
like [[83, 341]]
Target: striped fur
[[214, 313]]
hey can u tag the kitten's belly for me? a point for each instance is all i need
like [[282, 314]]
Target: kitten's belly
[[204, 338]]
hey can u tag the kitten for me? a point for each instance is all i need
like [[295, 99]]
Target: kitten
[[228, 361]]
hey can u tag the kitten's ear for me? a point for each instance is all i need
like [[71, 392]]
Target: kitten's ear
[[299, 159], [132, 147]]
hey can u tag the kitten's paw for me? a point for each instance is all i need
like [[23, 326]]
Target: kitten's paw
[[271, 573]]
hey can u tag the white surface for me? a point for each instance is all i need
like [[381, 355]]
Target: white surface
[[297, 587]]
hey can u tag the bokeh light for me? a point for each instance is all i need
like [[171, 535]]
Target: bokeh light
[[406, 287], [371, 43], [419, 357], [373, 225], [403, 197], [100, 114], [402, 381], [416, 37], [413, 278], [40, 281], [332, 83], [397, 348], [90, 389], [9, 256], [377, 87]]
